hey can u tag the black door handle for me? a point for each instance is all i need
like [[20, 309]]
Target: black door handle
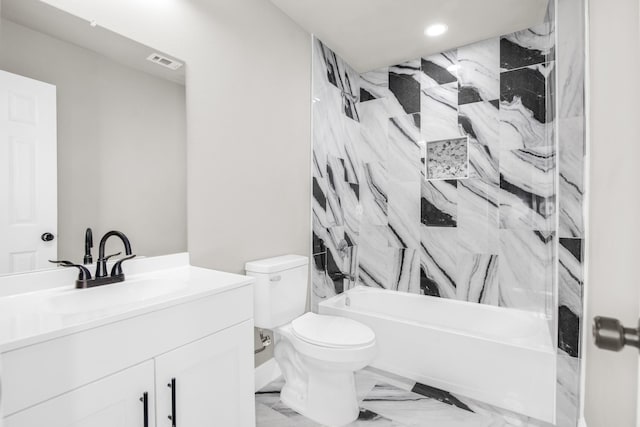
[[610, 334], [172, 417], [145, 409], [47, 237]]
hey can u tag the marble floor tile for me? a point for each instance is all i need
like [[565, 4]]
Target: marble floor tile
[[386, 401]]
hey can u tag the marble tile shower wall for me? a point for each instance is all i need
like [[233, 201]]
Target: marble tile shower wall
[[497, 237], [486, 239]]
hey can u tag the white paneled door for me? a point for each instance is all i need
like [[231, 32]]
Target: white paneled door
[[28, 174]]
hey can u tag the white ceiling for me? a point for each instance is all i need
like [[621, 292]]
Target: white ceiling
[[369, 34], [47, 19]]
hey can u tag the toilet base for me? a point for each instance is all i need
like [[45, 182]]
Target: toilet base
[[317, 389]]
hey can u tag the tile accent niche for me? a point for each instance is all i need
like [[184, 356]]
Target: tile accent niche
[[501, 232]]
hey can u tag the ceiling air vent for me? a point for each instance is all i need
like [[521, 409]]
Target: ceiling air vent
[[164, 61]]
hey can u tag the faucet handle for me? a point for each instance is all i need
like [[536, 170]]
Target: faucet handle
[[117, 267], [83, 272], [111, 256]]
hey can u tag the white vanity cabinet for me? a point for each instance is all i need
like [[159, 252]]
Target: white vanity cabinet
[[118, 400], [190, 354], [205, 383]]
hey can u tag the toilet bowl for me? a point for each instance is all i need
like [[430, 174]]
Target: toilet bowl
[[317, 354]]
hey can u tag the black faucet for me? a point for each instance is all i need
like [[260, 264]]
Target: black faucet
[[101, 267], [84, 278], [88, 244]]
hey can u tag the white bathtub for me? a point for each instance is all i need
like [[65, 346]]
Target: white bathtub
[[500, 356]]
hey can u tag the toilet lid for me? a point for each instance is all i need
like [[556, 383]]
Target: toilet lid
[[332, 331]]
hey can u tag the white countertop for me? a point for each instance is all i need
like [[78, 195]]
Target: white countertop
[[52, 312]]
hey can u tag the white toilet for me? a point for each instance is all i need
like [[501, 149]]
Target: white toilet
[[317, 354]]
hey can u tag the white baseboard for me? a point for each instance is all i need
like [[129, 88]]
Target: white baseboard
[[266, 373]]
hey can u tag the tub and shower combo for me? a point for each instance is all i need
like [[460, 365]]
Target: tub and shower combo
[[504, 357]]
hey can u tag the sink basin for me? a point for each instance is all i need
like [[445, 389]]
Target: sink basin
[[105, 297]]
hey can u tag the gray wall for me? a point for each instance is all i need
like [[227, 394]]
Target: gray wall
[[121, 144], [614, 208], [248, 119]]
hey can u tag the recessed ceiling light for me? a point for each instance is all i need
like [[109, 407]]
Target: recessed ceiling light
[[435, 30]]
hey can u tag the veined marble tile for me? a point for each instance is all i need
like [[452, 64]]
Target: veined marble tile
[[535, 45], [571, 54], [374, 84], [404, 214], [319, 202], [350, 107], [374, 195], [337, 71], [374, 142], [404, 84], [404, 148], [480, 121], [439, 69], [439, 203], [479, 71], [322, 286], [478, 278], [269, 418], [405, 276], [329, 139], [440, 112], [374, 257], [527, 183], [568, 390], [415, 410], [526, 110], [526, 269], [570, 272], [571, 174], [438, 259], [530, 85], [478, 217]]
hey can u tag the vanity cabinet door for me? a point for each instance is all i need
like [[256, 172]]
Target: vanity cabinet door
[[209, 382], [117, 400]]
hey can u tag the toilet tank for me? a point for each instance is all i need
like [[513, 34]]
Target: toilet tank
[[280, 289]]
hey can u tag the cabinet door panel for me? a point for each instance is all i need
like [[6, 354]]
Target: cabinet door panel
[[112, 401], [213, 381]]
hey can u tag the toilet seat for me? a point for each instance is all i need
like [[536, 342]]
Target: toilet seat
[[332, 331]]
